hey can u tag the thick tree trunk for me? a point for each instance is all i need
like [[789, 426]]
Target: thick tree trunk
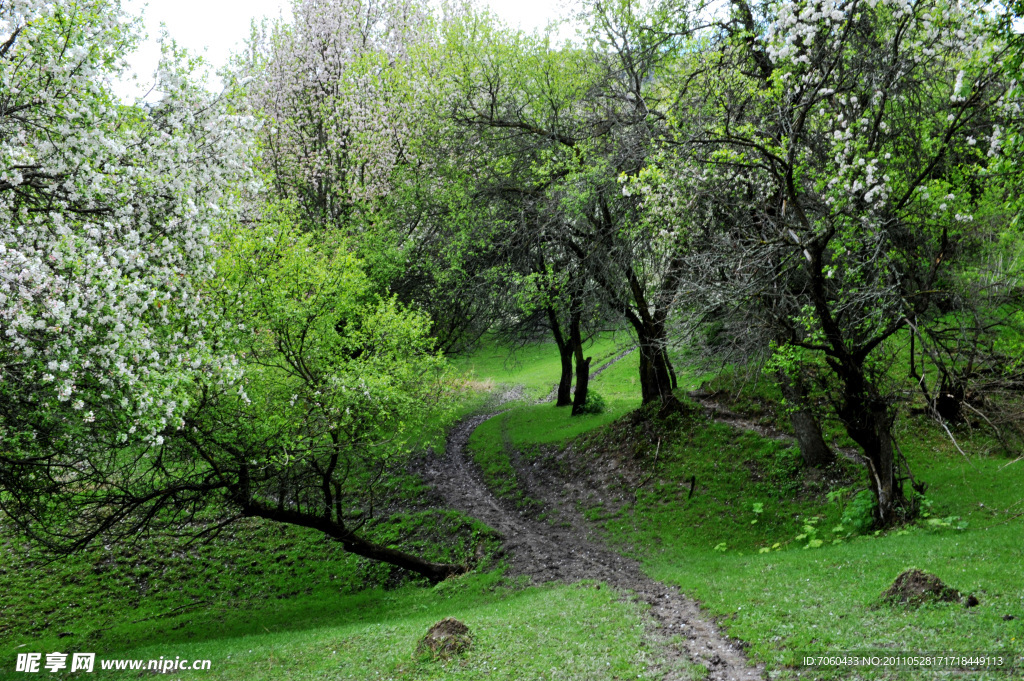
[[565, 352], [871, 428], [353, 543], [813, 449], [565, 382], [671, 371], [582, 367], [435, 572], [582, 384], [655, 380]]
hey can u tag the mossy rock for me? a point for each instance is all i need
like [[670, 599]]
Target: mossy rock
[[447, 638]]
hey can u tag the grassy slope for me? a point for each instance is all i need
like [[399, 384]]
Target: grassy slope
[[554, 632], [536, 367], [827, 599], [272, 603], [525, 425], [265, 601], [793, 599]]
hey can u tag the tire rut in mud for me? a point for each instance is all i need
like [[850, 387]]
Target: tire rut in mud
[[569, 551]]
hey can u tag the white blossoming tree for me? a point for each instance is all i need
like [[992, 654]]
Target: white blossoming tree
[[334, 89], [825, 181], [165, 365], [106, 213]]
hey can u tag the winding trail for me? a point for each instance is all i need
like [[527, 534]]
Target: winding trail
[[570, 551], [722, 414]]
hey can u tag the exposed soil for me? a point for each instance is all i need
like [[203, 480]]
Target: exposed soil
[[916, 587], [566, 548], [446, 638]]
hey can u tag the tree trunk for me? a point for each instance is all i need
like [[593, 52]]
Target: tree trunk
[[671, 371], [353, 543], [565, 382], [582, 367], [815, 453], [813, 449], [435, 572], [871, 428], [655, 381], [565, 352]]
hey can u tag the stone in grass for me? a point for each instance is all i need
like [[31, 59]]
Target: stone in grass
[[445, 639], [916, 587]]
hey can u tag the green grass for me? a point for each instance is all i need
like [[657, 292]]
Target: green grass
[[536, 367], [554, 632], [527, 427], [794, 599], [272, 602], [112, 596]]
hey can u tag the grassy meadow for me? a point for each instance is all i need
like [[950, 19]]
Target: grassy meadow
[[779, 557]]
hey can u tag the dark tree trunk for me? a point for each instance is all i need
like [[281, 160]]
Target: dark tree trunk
[[565, 352], [869, 423], [913, 368], [671, 371], [353, 543], [647, 313], [875, 439], [655, 380], [582, 366], [565, 382], [435, 572], [815, 452], [865, 413], [813, 449]]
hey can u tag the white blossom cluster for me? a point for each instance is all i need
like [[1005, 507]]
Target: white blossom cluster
[[932, 47], [106, 218], [330, 84]]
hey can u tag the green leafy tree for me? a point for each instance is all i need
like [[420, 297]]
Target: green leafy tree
[[565, 123], [164, 365], [830, 186]]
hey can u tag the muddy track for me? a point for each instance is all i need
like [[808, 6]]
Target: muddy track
[[566, 549], [722, 414]]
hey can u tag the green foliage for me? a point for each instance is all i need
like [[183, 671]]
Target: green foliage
[[595, 404], [324, 355], [860, 513]]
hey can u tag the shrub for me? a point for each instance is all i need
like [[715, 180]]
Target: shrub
[[595, 404]]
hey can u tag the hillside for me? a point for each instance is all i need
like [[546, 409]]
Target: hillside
[[590, 541]]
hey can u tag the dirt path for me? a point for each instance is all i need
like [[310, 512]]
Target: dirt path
[[569, 551], [723, 414]]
